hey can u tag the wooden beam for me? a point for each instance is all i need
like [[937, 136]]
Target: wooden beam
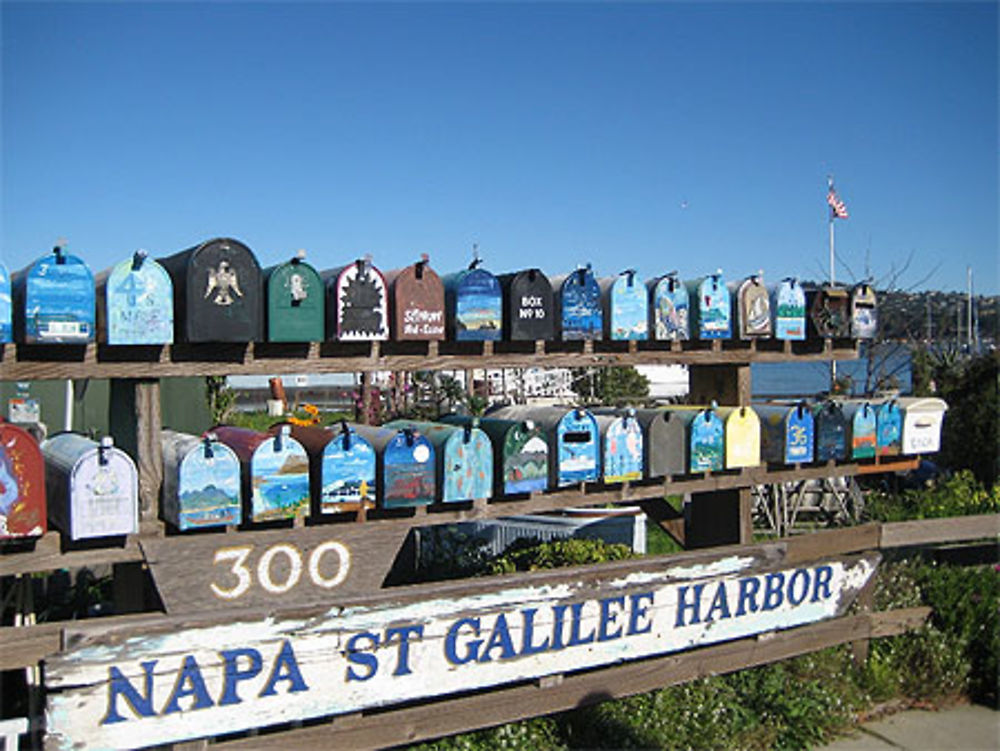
[[952, 529]]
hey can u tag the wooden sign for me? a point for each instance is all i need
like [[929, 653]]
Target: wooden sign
[[341, 467], [861, 427], [864, 312], [54, 301], [621, 447], [711, 316], [357, 303], [22, 484], [473, 305], [201, 481], [135, 303], [742, 436], [6, 307], [578, 300], [788, 433], [296, 302], [889, 428], [417, 297], [529, 312], [753, 308], [405, 466], [829, 314], [922, 419], [668, 309], [831, 431], [520, 453], [625, 302], [464, 457], [788, 304], [182, 681]]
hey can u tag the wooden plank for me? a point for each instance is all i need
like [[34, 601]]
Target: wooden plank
[[833, 542], [929, 531], [46, 555], [25, 646]]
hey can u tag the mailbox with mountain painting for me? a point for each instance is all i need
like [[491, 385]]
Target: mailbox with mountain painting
[[889, 428], [862, 434], [473, 305], [520, 453], [578, 300], [753, 308], [357, 307], [464, 457], [22, 484], [864, 312], [201, 481], [218, 293], [711, 315], [529, 312], [788, 433], [54, 301], [6, 308], [625, 307], [788, 303], [621, 447], [296, 302], [668, 308], [341, 467], [405, 466], [831, 431], [573, 437], [135, 302], [742, 436], [416, 298], [922, 420], [829, 312]]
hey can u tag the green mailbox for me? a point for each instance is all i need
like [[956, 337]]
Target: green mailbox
[[296, 305]]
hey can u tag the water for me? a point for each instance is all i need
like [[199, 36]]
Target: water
[[795, 379]]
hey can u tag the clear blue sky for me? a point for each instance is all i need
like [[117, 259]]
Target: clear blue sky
[[654, 136]]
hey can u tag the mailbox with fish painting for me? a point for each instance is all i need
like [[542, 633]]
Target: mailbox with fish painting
[[664, 441], [831, 431], [201, 481], [54, 301], [218, 293], [922, 419], [753, 307], [625, 308], [578, 301], [135, 302], [92, 488], [529, 311], [788, 304], [864, 312], [473, 304], [341, 467], [710, 308], [888, 428], [788, 433], [668, 311], [574, 441], [742, 436], [22, 484], [357, 307], [862, 436], [464, 457], [416, 302], [621, 447], [829, 314], [296, 302], [520, 453], [6, 308], [275, 470], [405, 466]]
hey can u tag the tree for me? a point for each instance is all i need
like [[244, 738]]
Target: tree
[[612, 386]]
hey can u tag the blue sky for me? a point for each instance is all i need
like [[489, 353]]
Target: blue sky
[[653, 136]]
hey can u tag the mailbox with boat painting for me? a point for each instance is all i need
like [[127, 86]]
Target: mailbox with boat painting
[[888, 428], [578, 302], [742, 436], [202, 485], [862, 434], [22, 484], [54, 300], [705, 437], [829, 312], [753, 307], [357, 306], [416, 302], [341, 467], [218, 293], [788, 433], [529, 312], [831, 431], [668, 308], [92, 487], [473, 302], [625, 307], [664, 441], [710, 312], [6, 308], [520, 453], [296, 301], [135, 302], [464, 457], [621, 447], [922, 420], [405, 465], [864, 312], [788, 305]]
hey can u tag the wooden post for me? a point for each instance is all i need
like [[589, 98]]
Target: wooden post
[[366, 398], [729, 385], [135, 422]]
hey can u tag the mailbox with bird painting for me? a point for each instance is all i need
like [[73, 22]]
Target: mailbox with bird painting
[[578, 302], [788, 304], [625, 302], [22, 484], [520, 453], [54, 300], [473, 304], [710, 308], [864, 312], [831, 431], [201, 481], [464, 457], [753, 307], [135, 302], [416, 299], [405, 465], [829, 312], [296, 301], [528, 306], [669, 308], [341, 467], [357, 308], [6, 308]]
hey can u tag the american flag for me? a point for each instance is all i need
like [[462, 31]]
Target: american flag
[[838, 208]]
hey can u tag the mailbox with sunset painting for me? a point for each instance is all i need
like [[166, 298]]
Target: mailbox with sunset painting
[[753, 307], [296, 301], [889, 428], [202, 486], [831, 431], [788, 304], [529, 312], [135, 302], [669, 308], [788, 433], [625, 302], [578, 301], [862, 433], [341, 467], [464, 457], [22, 484], [711, 314], [54, 300], [520, 453], [416, 300], [473, 304], [357, 307], [621, 447]]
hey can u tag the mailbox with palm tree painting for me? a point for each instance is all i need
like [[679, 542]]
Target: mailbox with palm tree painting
[[621, 447], [889, 428], [201, 481], [668, 308], [788, 433], [22, 484], [54, 300], [788, 304], [578, 301], [296, 301], [753, 307], [625, 302], [864, 312], [831, 431], [464, 458], [341, 467], [520, 453], [405, 466], [710, 308], [357, 307], [862, 435], [473, 304], [135, 302], [529, 310], [6, 309]]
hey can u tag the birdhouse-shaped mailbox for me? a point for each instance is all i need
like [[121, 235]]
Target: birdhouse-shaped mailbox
[[405, 466], [753, 308], [668, 308], [357, 307], [296, 302], [831, 431], [473, 304], [464, 458], [888, 428], [788, 433], [742, 436], [529, 312], [218, 293], [574, 441], [625, 306], [417, 302], [201, 481], [135, 303], [621, 447], [520, 453], [342, 467], [6, 308], [710, 308], [862, 437], [864, 312], [92, 488], [578, 300], [275, 470], [788, 305], [54, 301], [664, 442], [22, 484], [829, 312], [705, 434], [922, 419]]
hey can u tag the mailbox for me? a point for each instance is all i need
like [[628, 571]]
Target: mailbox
[[864, 312], [574, 441], [405, 466], [664, 441], [705, 438], [417, 302], [888, 428], [357, 307], [464, 457], [831, 431], [520, 453], [710, 308], [529, 311], [217, 293], [753, 308], [788, 433], [578, 300], [341, 467], [275, 470], [92, 488], [742, 436], [473, 304], [621, 447], [861, 429], [668, 308], [6, 309], [201, 481], [922, 419], [829, 314], [135, 302], [625, 307], [54, 301], [296, 302], [22, 484], [788, 304]]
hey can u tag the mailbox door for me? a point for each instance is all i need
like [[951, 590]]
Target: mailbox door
[[669, 310], [139, 303], [863, 433], [627, 309], [529, 308], [667, 442], [789, 307], [104, 498], [468, 466], [408, 472], [712, 309], [348, 474], [59, 302], [580, 307], [279, 480], [6, 307], [831, 433], [208, 488], [829, 316], [799, 435], [889, 429], [578, 451], [22, 485], [296, 305], [623, 450], [359, 304], [475, 306], [525, 461], [418, 298], [707, 442], [864, 313], [742, 438], [754, 309]]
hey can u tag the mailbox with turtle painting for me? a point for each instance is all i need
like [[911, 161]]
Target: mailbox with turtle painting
[[341, 467], [668, 308], [473, 304], [54, 301], [831, 431], [92, 487], [625, 302], [357, 307], [862, 434], [6, 308], [520, 453], [621, 447], [578, 302], [135, 302], [416, 302], [464, 457], [829, 312], [405, 466], [864, 312], [201, 481], [888, 428], [788, 304], [922, 419], [710, 308], [742, 436], [218, 294], [529, 311], [296, 301], [22, 484], [753, 307], [788, 433]]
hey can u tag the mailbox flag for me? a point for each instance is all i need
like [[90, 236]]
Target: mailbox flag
[[838, 209]]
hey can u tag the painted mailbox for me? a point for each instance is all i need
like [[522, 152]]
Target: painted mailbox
[[788, 433], [529, 309], [861, 429], [753, 307], [888, 428], [621, 447], [664, 441], [922, 419], [54, 301], [92, 488], [296, 302], [574, 441], [864, 312], [829, 314], [22, 484], [742, 436], [6, 307], [341, 467], [788, 305], [578, 301], [357, 307], [473, 303], [705, 437], [135, 303], [275, 471], [416, 302], [831, 431], [464, 458], [520, 453], [405, 466], [201, 481], [218, 294], [668, 308], [710, 308], [625, 307]]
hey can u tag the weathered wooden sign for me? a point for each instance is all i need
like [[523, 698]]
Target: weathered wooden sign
[[864, 312], [54, 300], [473, 305], [296, 302], [529, 312], [201, 481], [753, 307], [357, 306], [175, 682], [22, 484], [889, 428], [405, 466], [135, 303], [922, 419], [417, 302], [625, 302], [711, 313], [464, 457], [788, 304], [6, 307], [668, 308], [578, 300], [742, 436], [621, 447]]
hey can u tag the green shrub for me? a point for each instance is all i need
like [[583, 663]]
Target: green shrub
[[959, 495], [527, 555]]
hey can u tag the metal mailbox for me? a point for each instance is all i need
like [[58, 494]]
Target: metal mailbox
[[888, 428], [861, 429], [621, 447], [54, 301], [710, 308], [829, 314], [864, 312], [705, 438], [578, 300], [831, 431], [357, 307], [135, 302], [520, 453], [464, 457], [668, 308], [405, 466], [6, 308], [529, 310], [625, 307], [22, 484], [92, 488], [275, 471], [922, 420], [753, 307], [788, 433], [664, 441], [417, 302], [473, 304], [296, 302], [742, 436], [341, 467], [788, 305], [201, 481]]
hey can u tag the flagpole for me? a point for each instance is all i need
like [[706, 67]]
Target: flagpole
[[833, 276]]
